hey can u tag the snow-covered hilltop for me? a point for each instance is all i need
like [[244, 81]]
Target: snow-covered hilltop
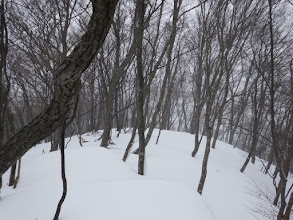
[[101, 186]]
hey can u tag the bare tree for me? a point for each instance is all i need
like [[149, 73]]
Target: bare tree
[[66, 88], [140, 10]]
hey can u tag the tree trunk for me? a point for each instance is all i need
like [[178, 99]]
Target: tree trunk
[[270, 161], [18, 174], [253, 145], [62, 147], [140, 86], [12, 175], [196, 131], [205, 159], [289, 208], [4, 89], [108, 116], [10, 133], [129, 146], [208, 130], [92, 100]]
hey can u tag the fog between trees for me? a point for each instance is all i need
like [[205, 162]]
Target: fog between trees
[[220, 69]]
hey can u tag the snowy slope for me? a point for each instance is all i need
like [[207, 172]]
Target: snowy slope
[[101, 186]]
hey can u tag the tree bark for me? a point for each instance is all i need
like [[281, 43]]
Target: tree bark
[[18, 174], [208, 129], [125, 156], [12, 175], [140, 87]]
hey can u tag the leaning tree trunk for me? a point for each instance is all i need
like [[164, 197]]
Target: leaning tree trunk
[[67, 87], [129, 146], [251, 153]]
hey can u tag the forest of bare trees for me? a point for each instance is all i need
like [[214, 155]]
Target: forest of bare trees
[[216, 68]]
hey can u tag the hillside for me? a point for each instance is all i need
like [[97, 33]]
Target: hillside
[[101, 186]]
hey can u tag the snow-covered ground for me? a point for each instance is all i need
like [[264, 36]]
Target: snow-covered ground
[[101, 186]]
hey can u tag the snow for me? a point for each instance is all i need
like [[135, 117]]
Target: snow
[[102, 186]]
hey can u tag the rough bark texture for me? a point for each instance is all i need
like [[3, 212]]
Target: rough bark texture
[[67, 86]]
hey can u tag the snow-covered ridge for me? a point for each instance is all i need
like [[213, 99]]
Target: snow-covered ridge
[[101, 186]]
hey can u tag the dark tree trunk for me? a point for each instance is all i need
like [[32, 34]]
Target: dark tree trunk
[[196, 131], [108, 116], [270, 161], [289, 208], [129, 146], [12, 175], [285, 171], [140, 86], [10, 133], [62, 147], [18, 174], [208, 129], [4, 90], [92, 100], [67, 87], [253, 145]]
